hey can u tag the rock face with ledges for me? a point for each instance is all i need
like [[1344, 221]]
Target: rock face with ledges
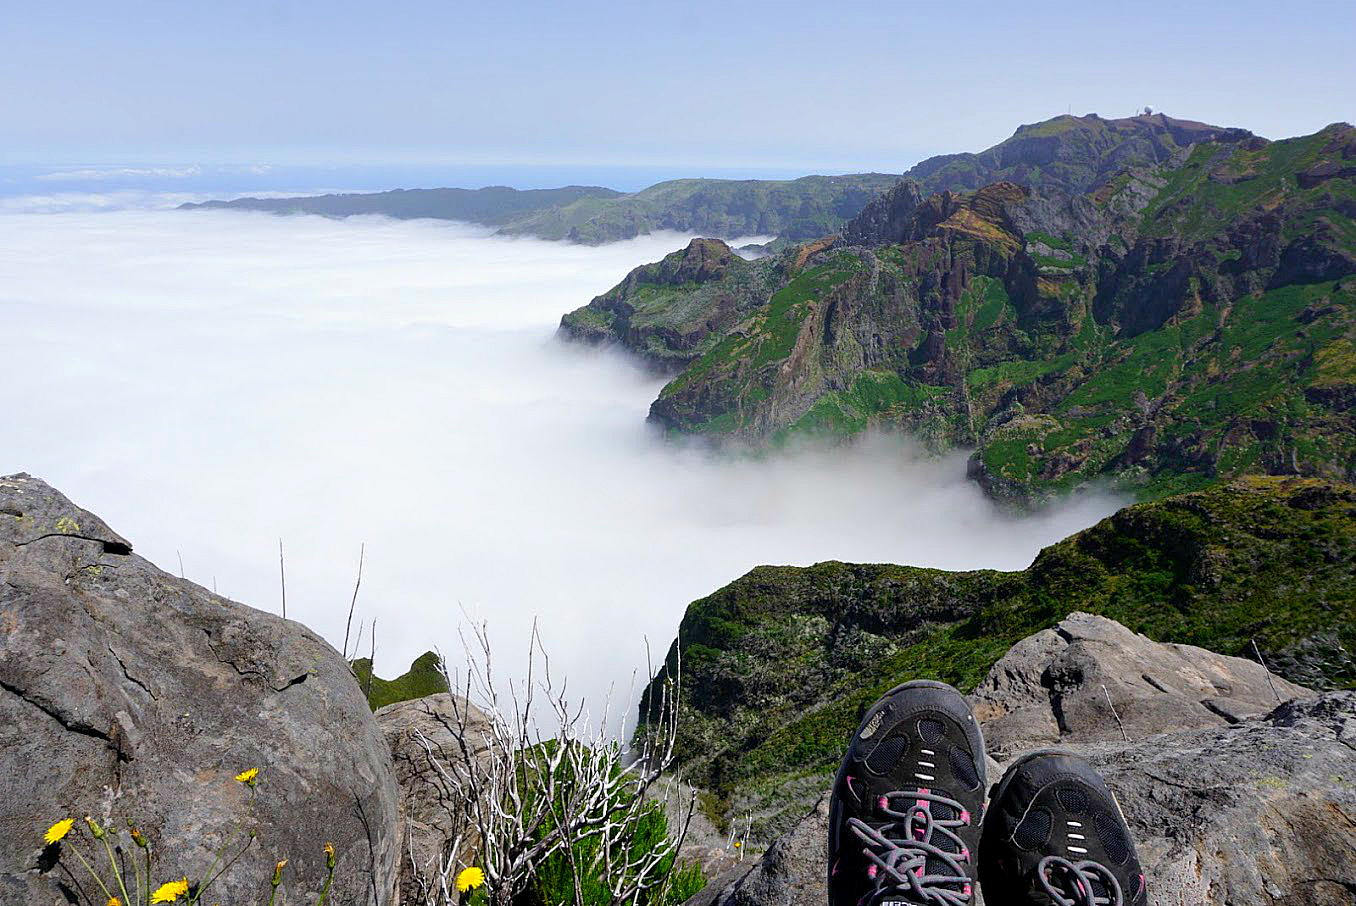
[[126, 692], [1089, 678]]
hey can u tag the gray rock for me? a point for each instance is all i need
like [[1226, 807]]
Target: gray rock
[[422, 735], [1060, 685], [791, 873], [1262, 812], [126, 692]]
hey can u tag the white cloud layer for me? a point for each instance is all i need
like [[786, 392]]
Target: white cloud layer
[[211, 381]]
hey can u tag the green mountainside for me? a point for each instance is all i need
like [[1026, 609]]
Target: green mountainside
[[1183, 320], [425, 677], [792, 209], [491, 206], [778, 665]]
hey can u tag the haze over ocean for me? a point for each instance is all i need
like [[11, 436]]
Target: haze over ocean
[[209, 382]]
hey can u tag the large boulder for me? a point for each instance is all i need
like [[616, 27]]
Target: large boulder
[[431, 740], [1090, 679], [1245, 811], [126, 692]]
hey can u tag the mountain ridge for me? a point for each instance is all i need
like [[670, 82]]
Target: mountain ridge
[[793, 209], [1174, 325]]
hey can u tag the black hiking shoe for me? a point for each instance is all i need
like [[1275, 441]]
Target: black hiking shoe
[[904, 817], [1055, 836]]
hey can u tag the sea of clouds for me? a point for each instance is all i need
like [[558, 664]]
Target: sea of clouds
[[210, 382]]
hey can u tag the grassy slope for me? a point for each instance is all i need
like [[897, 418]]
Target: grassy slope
[[778, 665], [425, 677]]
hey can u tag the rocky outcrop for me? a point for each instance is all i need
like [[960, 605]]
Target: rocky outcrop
[[425, 736], [673, 310], [1090, 679], [1255, 812], [126, 692], [887, 219]]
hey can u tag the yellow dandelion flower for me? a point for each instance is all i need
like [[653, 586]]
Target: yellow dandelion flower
[[248, 777], [114, 901], [58, 831], [470, 879], [329, 855], [171, 891]]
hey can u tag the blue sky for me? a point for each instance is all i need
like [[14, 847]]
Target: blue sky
[[768, 86]]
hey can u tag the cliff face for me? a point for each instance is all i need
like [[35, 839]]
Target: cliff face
[[777, 666], [1184, 319]]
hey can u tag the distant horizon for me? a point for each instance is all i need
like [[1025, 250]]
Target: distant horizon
[[180, 176]]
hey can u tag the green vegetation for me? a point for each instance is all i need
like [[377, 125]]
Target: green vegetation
[[554, 879], [425, 677], [778, 665]]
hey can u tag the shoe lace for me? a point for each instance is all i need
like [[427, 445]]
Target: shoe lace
[[900, 850], [1070, 883]]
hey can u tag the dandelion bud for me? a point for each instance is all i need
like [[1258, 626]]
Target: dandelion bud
[[329, 856], [277, 872], [138, 839], [94, 828]]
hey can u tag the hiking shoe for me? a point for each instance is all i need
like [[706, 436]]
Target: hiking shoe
[[904, 816], [1055, 836]]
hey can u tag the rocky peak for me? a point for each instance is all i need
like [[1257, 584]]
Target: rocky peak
[[903, 215], [1073, 153], [702, 261], [887, 219]]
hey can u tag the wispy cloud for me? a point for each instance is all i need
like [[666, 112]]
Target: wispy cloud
[[107, 174]]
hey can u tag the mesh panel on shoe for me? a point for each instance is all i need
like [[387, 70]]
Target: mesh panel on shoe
[[963, 766], [1112, 835], [932, 731], [1073, 800], [1034, 830], [886, 755]]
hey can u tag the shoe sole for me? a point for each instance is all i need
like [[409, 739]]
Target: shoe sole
[[973, 730]]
